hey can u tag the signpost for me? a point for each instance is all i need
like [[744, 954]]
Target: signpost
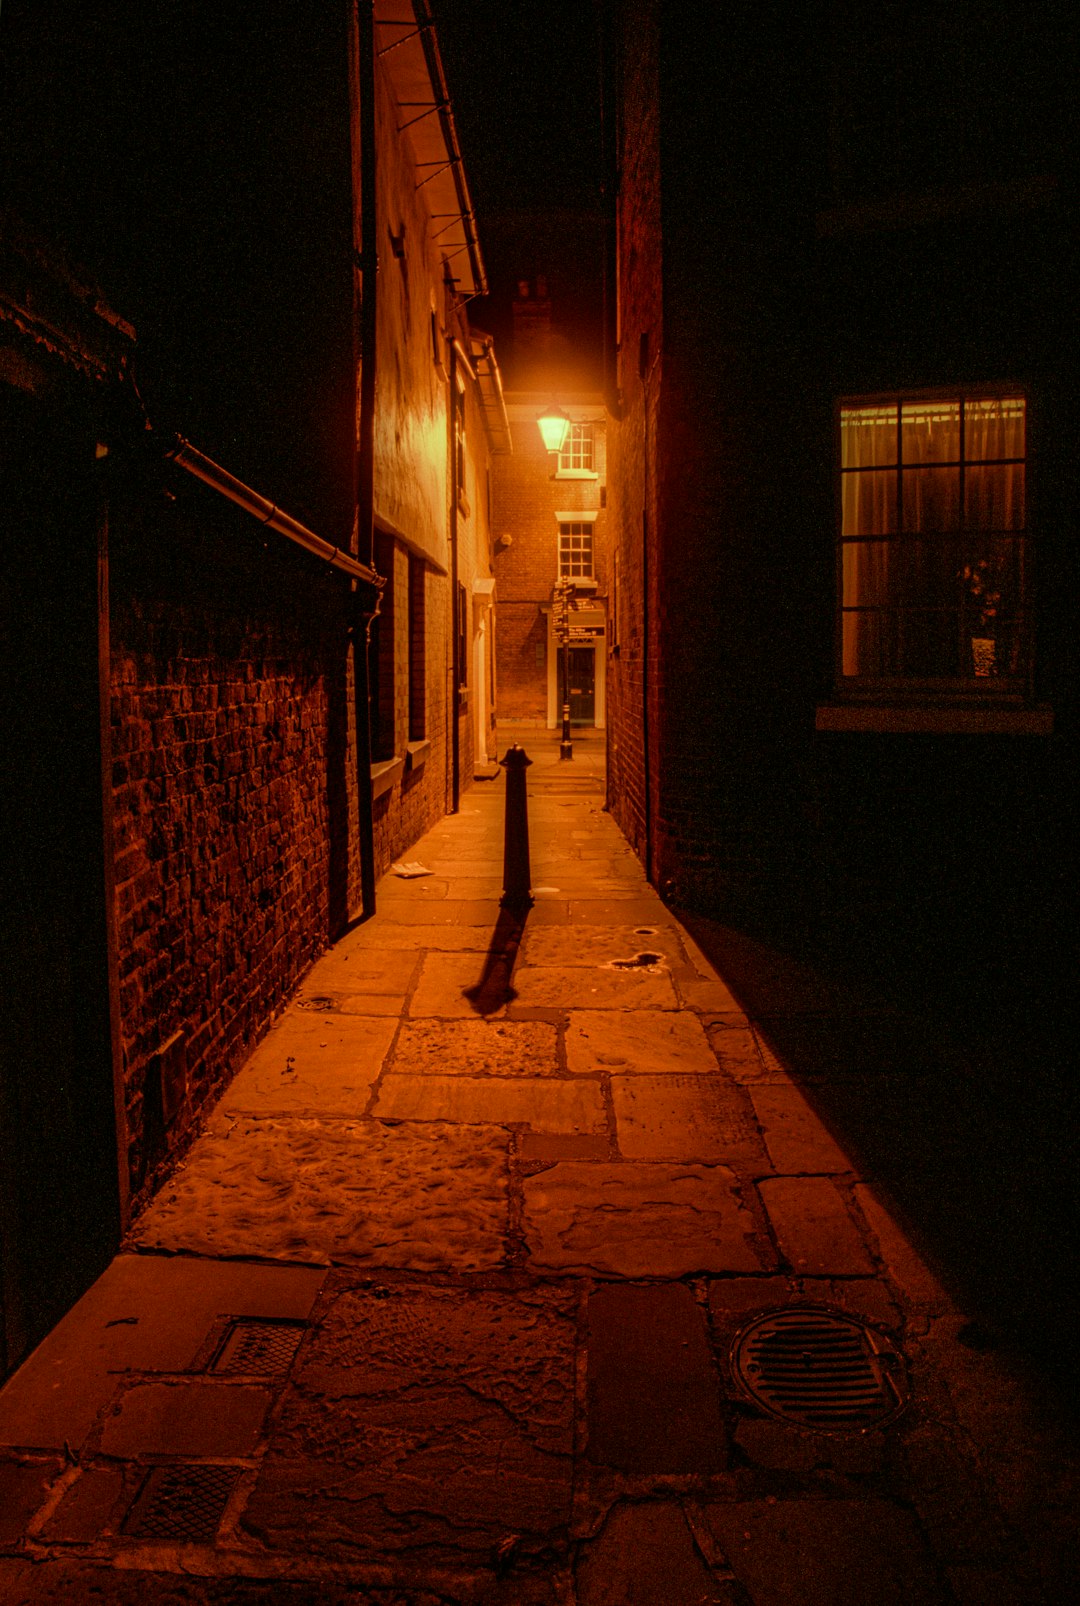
[[564, 634]]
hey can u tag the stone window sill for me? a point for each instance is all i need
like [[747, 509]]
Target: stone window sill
[[416, 754], [385, 774], [576, 474], [936, 719]]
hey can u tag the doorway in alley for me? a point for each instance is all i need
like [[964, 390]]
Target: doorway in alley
[[582, 683]]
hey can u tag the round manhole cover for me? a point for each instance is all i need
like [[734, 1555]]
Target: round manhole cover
[[820, 1369]]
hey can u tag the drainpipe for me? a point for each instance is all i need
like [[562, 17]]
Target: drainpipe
[[365, 323], [455, 642]]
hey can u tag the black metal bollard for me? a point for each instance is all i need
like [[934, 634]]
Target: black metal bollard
[[517, 876]]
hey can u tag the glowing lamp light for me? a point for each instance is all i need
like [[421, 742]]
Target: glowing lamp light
[[554, 427]]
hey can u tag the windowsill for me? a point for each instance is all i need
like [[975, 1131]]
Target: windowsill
[[384, 774], [575, 474], [940, 719], [416, 754]]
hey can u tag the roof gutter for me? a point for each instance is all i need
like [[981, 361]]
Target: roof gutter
[[433, 59], [188, 457], [492, 399]]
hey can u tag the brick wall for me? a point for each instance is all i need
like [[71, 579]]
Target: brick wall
[[230, 793], [633, 664]]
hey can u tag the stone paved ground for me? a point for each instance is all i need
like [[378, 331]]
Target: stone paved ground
[[489, 1205]]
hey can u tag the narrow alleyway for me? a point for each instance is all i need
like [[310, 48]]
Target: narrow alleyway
[[440, 1307]]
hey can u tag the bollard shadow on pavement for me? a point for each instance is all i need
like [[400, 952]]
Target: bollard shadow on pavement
[[494, 987]]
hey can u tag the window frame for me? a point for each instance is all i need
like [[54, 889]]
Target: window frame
[[886, 689], [586, 525], [584, 428]]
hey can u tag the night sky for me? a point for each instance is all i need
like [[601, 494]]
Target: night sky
[[524, 80]]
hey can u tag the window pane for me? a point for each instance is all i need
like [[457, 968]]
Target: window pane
[[865, 643], [930, 432], [931, 499], [869, 502], [901, 574], [577, 451], [994, 496], [994, 428], [867, 436]]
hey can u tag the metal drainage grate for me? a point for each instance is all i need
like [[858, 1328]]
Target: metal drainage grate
[[820, 1369], [185, 1503], [252, 1348]]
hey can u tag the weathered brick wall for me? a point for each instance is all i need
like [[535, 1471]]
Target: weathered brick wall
[[230, 795], [633, 478]]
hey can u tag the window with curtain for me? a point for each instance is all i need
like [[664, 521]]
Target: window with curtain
[[933, 539]]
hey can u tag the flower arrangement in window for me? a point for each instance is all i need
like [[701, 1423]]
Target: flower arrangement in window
[[981, 585]]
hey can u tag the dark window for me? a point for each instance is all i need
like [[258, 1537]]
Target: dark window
[[933, 539], [462, 625], [381, 690], [417, 651]]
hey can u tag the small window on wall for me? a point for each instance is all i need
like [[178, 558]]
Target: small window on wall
[[934, 544], [417, 650], [381, 694], [576, 551], [462, 627], [578, 455]]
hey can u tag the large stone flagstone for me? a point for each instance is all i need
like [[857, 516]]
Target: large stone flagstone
[[476, 1048], [353, 1192], [639, 1220], [684, 1118], [461, 985], [440, 1417], [598, 945], [646, 1040], [348, 969], [544, 1105], [574, 987], [323, 1062]]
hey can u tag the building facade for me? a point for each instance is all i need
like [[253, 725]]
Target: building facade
[[194, 812], [842, 482], [550, 523]]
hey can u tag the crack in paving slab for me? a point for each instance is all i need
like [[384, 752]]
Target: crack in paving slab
[[425, 1417]]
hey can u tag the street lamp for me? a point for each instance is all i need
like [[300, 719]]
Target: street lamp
[[554, 427], [564, 590]]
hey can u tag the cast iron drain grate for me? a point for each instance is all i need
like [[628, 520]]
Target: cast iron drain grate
[[318, 1003], [258, 1349], [820, 1369], [185, 1503]]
